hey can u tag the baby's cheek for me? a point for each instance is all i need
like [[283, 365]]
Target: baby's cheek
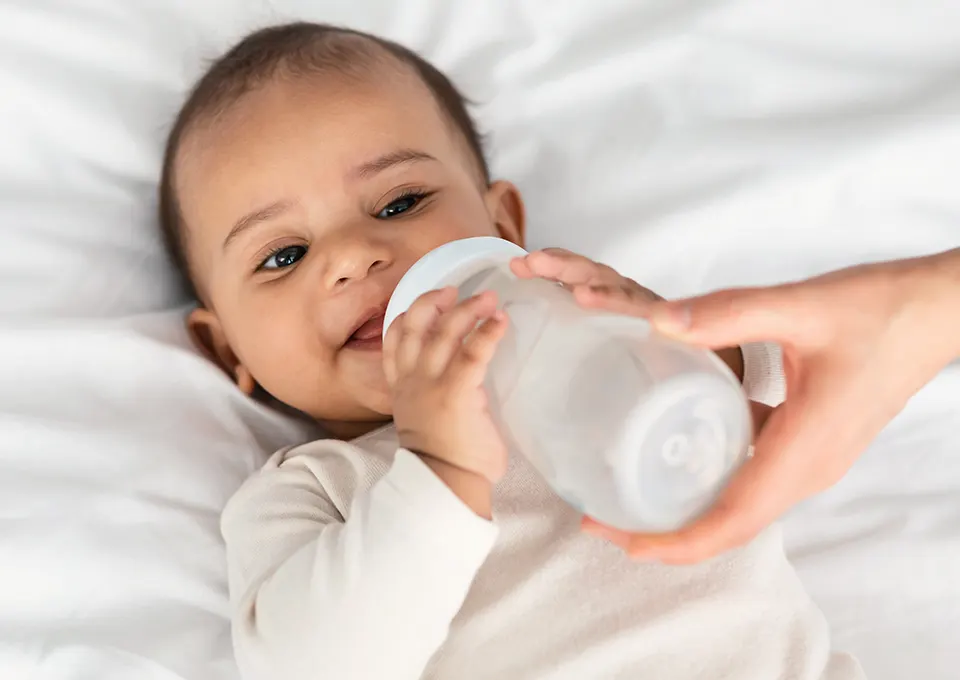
[[285, 368]]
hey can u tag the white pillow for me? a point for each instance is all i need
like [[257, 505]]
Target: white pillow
[[118, 444]]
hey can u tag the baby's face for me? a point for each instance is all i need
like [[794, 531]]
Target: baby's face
[[305, 204]]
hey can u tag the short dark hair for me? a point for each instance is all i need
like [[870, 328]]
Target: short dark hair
[[299, 48]]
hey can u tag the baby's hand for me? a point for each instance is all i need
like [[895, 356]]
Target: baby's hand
[[435, 359]]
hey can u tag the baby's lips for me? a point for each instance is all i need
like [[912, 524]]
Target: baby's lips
[[372, 328], [366, 322]]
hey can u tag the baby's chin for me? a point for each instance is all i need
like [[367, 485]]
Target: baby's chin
[[382, 404], [371, 408], [374, 392]]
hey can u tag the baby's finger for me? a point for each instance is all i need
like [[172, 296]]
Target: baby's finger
[[562, 266], [452, 328], [418, 320], [390, 342], [471, 362]]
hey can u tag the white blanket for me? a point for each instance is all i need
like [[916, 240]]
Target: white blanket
[[693, 144]]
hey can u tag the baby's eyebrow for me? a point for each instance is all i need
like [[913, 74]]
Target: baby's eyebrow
[[257, 216], [388, 160], [362, 171]]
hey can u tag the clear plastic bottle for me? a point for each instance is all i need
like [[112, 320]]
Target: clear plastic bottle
[[636, 430]]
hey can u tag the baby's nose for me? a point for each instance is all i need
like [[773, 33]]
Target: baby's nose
[[353, 263]]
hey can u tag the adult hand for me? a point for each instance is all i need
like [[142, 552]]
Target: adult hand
[[598, 285], [857, 344]]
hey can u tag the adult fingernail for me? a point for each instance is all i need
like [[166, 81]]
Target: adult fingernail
[[594, 528], [588, 525], [605, 533]]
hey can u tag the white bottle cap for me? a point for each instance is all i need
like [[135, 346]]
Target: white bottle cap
[[450, 264]]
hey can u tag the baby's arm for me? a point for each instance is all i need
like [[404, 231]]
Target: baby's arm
[[370, 597], [371, 592]]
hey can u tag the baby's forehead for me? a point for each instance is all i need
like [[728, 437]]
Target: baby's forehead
[[380, 90], [325, 120]]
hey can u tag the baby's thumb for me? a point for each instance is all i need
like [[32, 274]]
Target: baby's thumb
[[728, 317]]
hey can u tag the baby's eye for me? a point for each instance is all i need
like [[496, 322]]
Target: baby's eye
[[399, 205], [284, 257]]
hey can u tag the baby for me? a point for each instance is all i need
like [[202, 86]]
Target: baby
[[308, 170]]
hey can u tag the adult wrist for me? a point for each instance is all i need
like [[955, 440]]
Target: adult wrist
[[942, 295]]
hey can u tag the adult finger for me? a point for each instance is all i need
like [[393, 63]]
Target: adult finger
[[562, 266], [628, 298], [761, 490], [733, 317], [452, 328], [618, 537]]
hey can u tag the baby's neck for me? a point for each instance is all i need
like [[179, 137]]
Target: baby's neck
[[345, 431]]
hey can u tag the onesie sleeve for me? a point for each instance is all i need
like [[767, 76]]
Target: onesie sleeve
[[315, 595], [763, 377]]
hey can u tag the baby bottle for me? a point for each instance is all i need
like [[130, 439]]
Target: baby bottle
[[637, 431]]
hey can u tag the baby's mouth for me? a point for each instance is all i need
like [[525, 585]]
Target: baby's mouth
[[369, 336]]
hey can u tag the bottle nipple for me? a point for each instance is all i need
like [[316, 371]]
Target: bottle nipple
[[699, 453]]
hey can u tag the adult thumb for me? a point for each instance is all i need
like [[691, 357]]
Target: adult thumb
[[730, 317]]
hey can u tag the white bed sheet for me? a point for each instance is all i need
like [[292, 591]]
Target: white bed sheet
[[693, 144]]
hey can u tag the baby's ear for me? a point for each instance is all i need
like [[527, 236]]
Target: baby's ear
[[505, 206], [208, 337]]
